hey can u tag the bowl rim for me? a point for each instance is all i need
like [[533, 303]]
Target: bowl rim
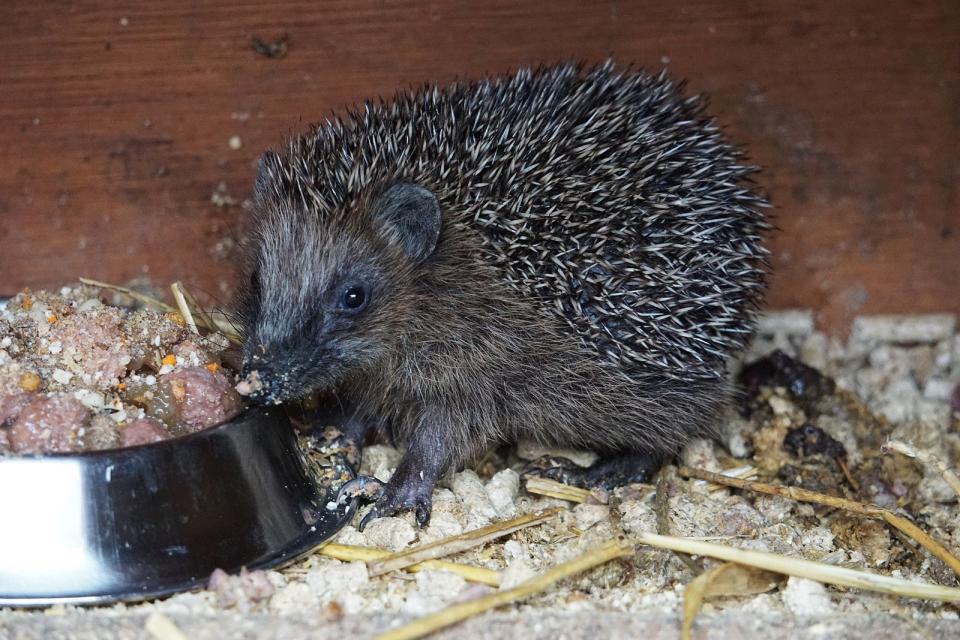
[[112, 451]]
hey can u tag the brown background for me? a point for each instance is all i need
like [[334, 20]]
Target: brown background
[[115, 123]]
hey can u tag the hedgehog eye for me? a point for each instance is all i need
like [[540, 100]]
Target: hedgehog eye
[[354, 298]]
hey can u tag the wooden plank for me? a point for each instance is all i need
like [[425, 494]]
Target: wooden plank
[[115, 124]]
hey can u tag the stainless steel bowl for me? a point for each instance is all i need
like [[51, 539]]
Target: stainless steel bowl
[[128, 524]]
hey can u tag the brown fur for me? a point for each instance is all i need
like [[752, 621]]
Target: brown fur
[[452, 348]]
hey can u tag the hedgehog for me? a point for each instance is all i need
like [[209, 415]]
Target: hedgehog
[[566, 255]]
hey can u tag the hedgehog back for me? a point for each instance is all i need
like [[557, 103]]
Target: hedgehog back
[[606, 197]]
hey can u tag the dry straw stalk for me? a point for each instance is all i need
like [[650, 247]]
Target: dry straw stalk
[[456, 544]]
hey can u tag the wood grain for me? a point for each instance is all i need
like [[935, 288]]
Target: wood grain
[[115, 124]]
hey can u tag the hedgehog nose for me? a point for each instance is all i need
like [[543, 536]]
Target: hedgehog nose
[[256, 367], [254, 358]]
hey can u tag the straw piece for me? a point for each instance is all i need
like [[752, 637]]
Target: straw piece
[[554, 489], [206, 319], [727, 579], [662, 508], [846, 473], [220, 324], [163, 628], [732, 579], [186, 304], [743, 472], [803, 495], [693, 595], [183, 306], [459, 612], [926, 458], [136, 295], [818, 571], [456, 544], [350, 553], [795, 493], [921, 536]]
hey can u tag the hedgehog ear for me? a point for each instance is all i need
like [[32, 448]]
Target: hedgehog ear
[[269, 161], [409, 215]]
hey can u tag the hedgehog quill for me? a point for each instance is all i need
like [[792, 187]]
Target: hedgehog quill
[[563, 254]]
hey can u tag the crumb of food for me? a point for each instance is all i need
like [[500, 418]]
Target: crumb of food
[[169, 359], [212, 366], [101, 433], [250, 384], [240, 591], [29, 382], [176, 318]]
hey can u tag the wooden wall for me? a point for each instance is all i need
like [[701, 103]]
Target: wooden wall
[[116, 122]]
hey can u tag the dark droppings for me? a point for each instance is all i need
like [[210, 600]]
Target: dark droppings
[[804, 384], [809, 440], [274, 49]]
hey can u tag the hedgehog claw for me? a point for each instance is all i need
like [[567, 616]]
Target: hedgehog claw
[[364, 487], [394, 499]]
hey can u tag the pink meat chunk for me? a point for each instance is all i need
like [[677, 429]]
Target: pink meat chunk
[[94, 338], [200, 398], [50, 423], [11, 406], [143, 431]]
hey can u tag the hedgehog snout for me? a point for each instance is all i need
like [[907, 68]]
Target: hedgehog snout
[[260, 381]]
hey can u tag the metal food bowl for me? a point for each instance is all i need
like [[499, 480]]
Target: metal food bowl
[[147, 521]]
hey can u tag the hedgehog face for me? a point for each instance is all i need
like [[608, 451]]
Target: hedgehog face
[[324, 293]]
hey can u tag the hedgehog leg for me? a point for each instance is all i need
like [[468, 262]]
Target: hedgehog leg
[[611, 472], [428, 456], [353, 434]]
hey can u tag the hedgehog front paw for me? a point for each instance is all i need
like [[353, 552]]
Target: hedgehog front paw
[[366, 488], [405, 496]]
